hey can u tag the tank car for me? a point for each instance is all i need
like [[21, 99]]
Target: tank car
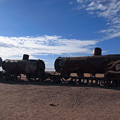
[[89, 64], [30, 68]]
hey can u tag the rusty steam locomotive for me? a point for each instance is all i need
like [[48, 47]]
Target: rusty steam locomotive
[[30, 68], [107, 65], [91, 64]]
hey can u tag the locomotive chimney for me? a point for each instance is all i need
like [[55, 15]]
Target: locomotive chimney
[[97, 51], [25, 57]]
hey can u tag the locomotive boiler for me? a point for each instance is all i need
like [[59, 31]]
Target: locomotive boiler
[[89, 64], [30, 68]]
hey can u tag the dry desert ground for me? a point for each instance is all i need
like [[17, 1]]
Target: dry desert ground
[[47, 101]]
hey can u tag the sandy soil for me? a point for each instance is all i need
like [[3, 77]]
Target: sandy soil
[[35, 101]]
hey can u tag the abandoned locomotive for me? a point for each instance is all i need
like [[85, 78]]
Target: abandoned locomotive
[[109, 65], [31, 68]]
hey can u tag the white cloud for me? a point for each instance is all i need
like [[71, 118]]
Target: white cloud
[[114, 35], [108, 9], [15, 47]]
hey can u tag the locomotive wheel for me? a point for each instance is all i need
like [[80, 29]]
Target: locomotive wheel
[[107, 82], [102, 82], [74, 80]]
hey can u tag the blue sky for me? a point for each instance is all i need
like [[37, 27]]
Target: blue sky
[[46, 29]]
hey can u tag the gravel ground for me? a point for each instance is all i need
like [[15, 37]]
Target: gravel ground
[[28, 101]]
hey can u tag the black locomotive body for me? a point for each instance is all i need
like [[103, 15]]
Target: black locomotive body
[[30, 68], [107, 65], [90, 64]]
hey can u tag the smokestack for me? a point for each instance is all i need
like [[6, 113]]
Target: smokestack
[[97, 51], [25, 57]]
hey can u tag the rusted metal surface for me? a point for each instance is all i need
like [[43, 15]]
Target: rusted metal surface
[[90, 64], [14, 66], [114, 65], [23, 66]]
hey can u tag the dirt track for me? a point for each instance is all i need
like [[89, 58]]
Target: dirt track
[[23, 101]]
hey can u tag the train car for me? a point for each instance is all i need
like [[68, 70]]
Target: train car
[[89, 64], [30, 68], [107, 65]]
